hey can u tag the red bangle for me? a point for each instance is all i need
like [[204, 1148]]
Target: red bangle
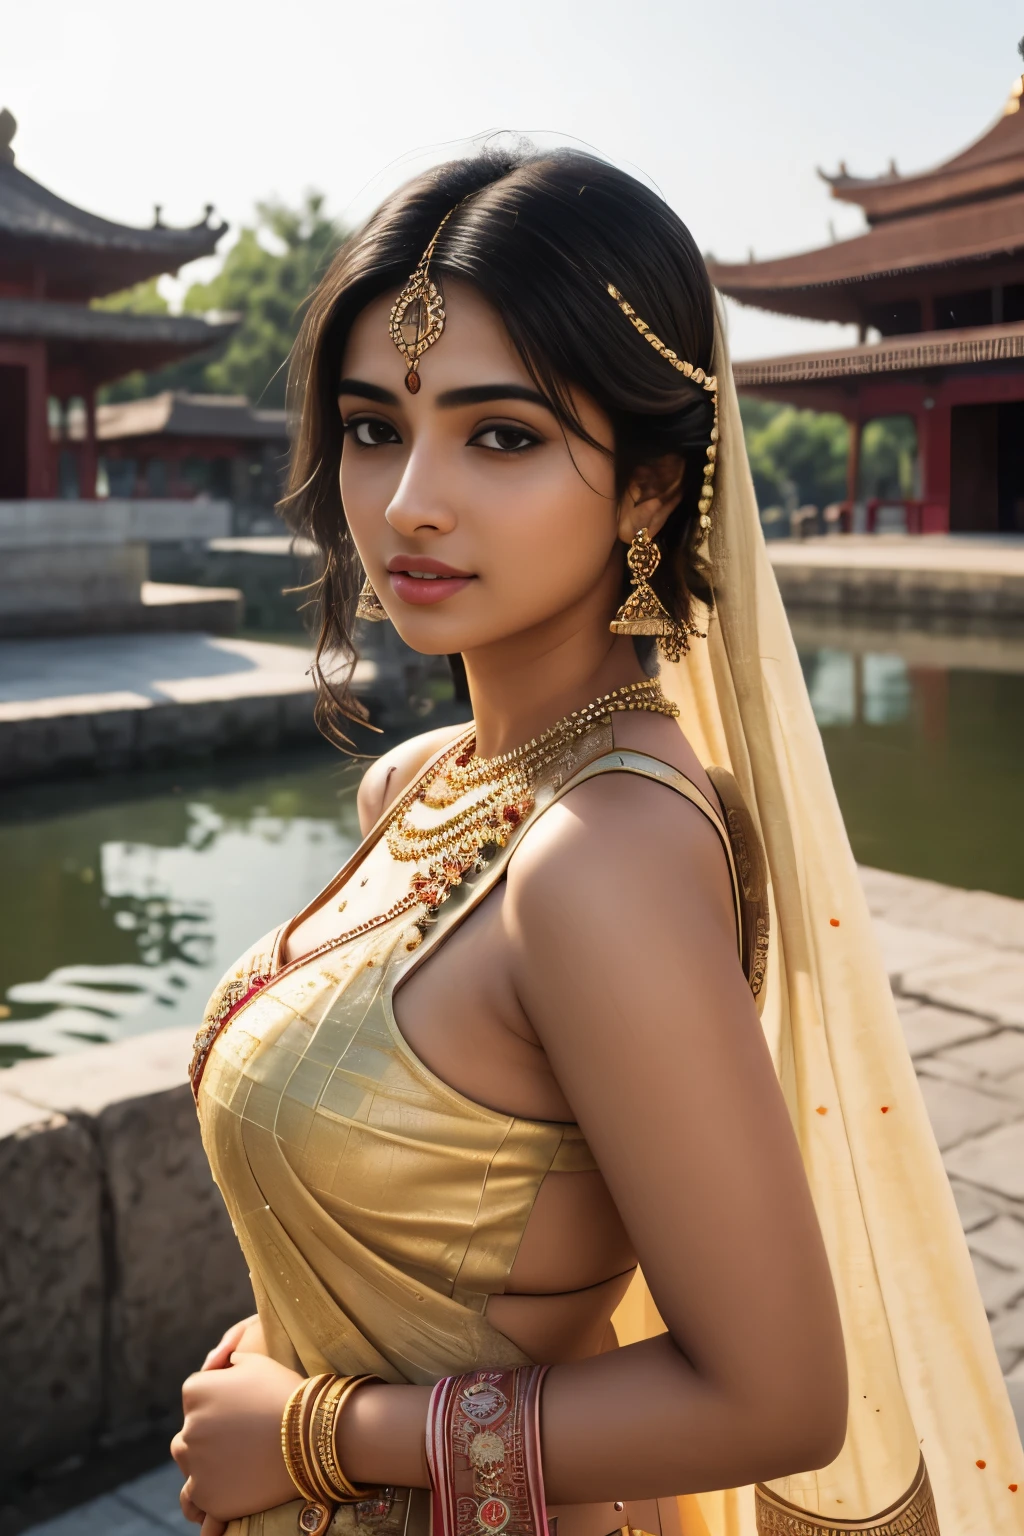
[[483, 1454]]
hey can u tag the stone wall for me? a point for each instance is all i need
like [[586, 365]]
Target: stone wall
[[118, 1265]]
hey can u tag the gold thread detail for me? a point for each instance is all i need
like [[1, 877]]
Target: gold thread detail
[[912, 1515], [707, 382]]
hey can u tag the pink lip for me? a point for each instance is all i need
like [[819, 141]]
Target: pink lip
[[413, 589]]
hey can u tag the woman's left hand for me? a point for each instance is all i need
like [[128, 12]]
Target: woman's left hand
[[229, 1447]]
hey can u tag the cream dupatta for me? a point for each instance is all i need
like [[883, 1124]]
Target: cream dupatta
[[924, 1380]]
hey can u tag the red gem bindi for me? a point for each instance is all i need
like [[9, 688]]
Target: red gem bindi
[[412, 382]]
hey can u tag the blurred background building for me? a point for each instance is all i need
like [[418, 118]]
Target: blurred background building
[[939, 279]]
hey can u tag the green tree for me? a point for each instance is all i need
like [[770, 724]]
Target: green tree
[[142, 299], [800, 457], [266, 278], [888, 455], [796, 457]]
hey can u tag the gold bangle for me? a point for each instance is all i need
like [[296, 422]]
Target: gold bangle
[[289, 1438], [316, 1388], [322, 1439], [317, 1512], [354, 1493]]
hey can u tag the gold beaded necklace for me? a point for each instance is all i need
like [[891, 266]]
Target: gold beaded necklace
[[503, 790]]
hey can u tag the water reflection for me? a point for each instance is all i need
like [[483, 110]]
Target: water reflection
[[846, 688], [119, 916], [124, 899], [924, 732]]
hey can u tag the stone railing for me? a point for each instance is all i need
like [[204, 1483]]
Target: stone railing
[[66, 565], [118, 1265]]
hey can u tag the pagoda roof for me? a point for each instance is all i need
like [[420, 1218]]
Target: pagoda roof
[[110, 343], [978, 346], [990, 167], [837, 281], [175, 413], [82, 254]]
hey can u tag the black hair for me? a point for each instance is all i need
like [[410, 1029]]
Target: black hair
[[540, 235]]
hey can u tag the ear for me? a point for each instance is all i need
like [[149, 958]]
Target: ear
[[651, 495]]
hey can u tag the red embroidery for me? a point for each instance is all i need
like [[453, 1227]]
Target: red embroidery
[[483, 1452], [234, 996]]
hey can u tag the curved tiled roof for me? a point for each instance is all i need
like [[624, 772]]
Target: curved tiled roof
[[992, 165], [980, 232], [86, 255], [179, 414], [45, 319], [896, 354]]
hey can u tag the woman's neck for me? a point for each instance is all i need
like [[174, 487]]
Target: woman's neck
[[524, 685]]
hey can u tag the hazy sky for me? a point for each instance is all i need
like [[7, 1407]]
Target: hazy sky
[[726, 105]]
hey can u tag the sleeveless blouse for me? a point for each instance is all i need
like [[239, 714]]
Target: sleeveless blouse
[[379, 1209]]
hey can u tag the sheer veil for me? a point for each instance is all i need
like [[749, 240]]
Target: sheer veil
[[927, 1400]]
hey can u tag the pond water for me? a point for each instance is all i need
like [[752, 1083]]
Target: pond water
[[124, 899]]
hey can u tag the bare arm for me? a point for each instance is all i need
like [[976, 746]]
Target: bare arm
[[622, 948]]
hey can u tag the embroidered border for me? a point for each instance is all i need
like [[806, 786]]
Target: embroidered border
[[222, 1010], [483, 1452], [912, 1515]]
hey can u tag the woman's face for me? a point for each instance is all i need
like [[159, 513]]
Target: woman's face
[[475, 517]]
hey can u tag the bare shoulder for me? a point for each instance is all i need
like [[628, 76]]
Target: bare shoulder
[[385, 779], [612, 851]]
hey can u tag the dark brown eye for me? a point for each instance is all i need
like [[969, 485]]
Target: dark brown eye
[[505, 439], [373, 433]]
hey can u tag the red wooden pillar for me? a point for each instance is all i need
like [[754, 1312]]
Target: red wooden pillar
[[87, 464], [853, 460], [37, 446], [933, 445]]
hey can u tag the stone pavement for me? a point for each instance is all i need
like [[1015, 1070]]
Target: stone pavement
[[956, 962], [980, 575], [147, 1506]]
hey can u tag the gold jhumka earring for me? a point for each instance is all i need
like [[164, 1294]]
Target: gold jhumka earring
[[369, 605], [643, 613], [417, 318]]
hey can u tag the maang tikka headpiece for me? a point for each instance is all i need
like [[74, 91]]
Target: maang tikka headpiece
[[707, 382], [417, 318]]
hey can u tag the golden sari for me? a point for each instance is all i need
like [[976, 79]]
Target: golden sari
[[379, 1209]]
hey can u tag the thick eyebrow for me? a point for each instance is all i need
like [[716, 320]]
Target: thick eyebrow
[[480, 394], [367, 391]]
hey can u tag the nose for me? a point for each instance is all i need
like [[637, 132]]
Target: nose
[[420, 504]]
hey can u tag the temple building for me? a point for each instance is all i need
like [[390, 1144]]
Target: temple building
[[187, 446], [939, 276], [54, 259]]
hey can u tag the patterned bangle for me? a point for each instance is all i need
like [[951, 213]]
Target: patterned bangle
[[309, 1447], [316, 1512], [345, 1491], [317, 1390], [483, 1453]]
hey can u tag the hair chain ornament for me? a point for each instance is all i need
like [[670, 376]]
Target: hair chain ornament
[[707, 381], [417, 316]]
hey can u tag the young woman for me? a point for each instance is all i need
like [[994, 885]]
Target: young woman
[[513, 1051]]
